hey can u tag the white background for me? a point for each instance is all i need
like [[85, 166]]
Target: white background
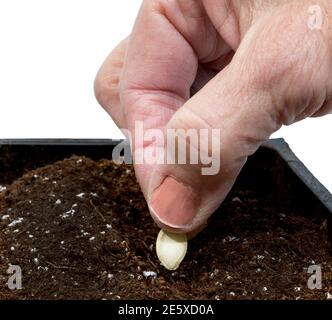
[[50, 52]]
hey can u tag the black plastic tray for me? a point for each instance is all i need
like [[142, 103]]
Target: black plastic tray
[[301, 171], [55, 149]]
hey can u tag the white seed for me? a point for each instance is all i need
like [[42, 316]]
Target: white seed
[[171, 249]]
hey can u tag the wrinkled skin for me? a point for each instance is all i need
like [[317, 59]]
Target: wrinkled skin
[[255, 65]]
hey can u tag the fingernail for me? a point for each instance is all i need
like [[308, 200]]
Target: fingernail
[[174, 204]]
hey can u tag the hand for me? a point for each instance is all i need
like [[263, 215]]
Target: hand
[[255, 65]]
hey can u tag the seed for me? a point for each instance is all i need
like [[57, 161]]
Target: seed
[[171, 249]]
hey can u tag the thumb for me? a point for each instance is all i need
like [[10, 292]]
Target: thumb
[[272, 80], [238, 116]]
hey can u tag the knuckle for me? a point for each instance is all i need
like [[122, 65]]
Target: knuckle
[[106, 87]]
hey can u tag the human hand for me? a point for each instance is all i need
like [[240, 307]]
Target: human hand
[[255, 65]]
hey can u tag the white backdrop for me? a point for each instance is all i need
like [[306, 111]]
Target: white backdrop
[[50, 52]]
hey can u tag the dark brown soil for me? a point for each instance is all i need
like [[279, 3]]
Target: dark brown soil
[[80, 228]]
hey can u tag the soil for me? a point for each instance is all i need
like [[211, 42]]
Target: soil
[[80, 229]]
